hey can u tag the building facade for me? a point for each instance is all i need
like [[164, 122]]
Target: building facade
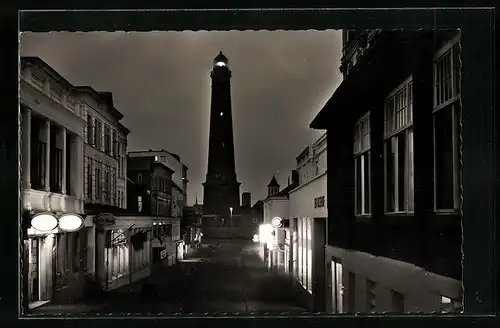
[[172, 161], [151, 193], [52, 132], [395, 228], [298, 246]]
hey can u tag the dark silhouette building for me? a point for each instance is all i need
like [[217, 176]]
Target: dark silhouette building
[[246, 199], [221, 189], [149, 186], [394, 168]]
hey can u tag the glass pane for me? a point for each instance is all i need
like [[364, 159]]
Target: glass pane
[[444, 158], [401, 160], [366, 181], [389, 175], [357, 165], [411, 186]]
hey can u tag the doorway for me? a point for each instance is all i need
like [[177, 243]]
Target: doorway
[[337, 287]]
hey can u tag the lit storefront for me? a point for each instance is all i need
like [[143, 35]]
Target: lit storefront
[[308, 229], [54, 257], [167, 245], [123, 247]]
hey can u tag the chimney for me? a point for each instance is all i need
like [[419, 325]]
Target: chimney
[[246, 199], [295, 176]]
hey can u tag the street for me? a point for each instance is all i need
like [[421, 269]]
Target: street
[[228, 277]]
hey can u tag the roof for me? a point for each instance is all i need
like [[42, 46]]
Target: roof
[[273, 183], [101, 97], [287, 189], [177, 157], [220, 58]]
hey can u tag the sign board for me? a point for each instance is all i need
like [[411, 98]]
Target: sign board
[[319, 202], [104, 219]]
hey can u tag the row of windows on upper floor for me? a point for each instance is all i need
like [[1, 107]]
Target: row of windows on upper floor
[[100, 184], [398, 150], [156, 183], [103, 137]]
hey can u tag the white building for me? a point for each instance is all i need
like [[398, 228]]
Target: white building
[[52, 133], [105, 149], [298, 246]]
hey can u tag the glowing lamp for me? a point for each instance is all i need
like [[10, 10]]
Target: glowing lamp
[[265, 234], [44, 222], [70, 222], [276, 222], [255, 238], [221, 63]]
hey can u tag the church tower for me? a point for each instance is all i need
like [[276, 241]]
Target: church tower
[[221, 190]]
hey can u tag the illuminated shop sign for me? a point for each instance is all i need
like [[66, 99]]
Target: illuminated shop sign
[[47, 222], [104, 219], [319, 202]]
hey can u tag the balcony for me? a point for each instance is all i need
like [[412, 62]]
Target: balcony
[[44, 201]]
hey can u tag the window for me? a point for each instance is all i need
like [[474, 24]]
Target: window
[[90, 180], [139, 204], [38, 156], [447, 113], [98, 184], [98, 135], [115, 145], [397, 302], [398, 150], [107, 185], [362, 201], [56, 169], [139, 177], [107, 140], [90, 130]]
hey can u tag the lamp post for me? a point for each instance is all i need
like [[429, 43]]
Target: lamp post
[[231, 222]]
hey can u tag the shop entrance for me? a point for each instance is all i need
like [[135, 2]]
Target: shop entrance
[[337, 286]]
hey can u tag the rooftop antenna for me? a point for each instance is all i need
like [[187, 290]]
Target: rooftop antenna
[[196, 201]]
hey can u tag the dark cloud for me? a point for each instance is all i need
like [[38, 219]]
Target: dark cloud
[[161, 83]]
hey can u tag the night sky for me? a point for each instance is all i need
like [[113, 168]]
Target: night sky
[[161, 82]]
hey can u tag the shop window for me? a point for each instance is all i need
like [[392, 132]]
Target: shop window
[[398, 150]]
